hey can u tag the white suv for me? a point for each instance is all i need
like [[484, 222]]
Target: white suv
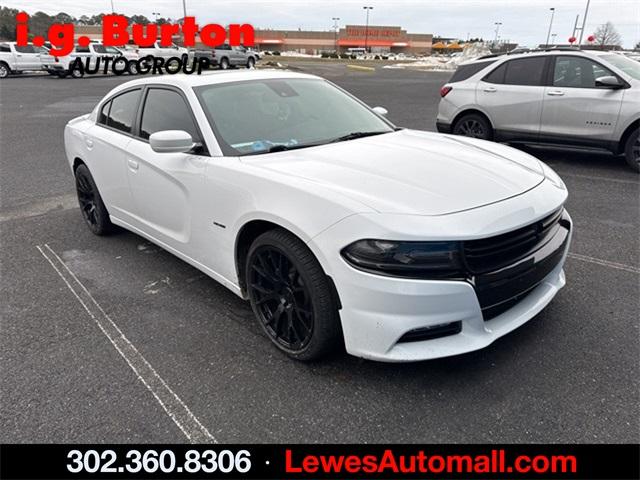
[[561, 97]]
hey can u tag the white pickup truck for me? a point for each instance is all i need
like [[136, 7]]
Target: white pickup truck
[[158, 50], [62, 66], [15, 59]]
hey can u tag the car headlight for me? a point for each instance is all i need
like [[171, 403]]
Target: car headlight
[[552, 176], [406, 259]]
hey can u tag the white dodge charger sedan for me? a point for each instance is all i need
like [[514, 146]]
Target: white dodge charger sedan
[[336, 225]]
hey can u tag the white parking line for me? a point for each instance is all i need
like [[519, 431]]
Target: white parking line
[[166, 397], [605, 263]]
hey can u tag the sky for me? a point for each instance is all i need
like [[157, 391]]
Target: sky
[[523, 21]]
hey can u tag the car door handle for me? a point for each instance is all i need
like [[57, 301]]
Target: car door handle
[[88, 142], [555, 93], [490, 89], [133, 165]]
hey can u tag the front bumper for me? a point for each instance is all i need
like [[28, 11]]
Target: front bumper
[[378, 311]]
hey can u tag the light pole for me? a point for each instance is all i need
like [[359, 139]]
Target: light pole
[[335, 32], [553, 11], [184, 10], [495, 41], [366, 29], [584, 23], [112, 9]]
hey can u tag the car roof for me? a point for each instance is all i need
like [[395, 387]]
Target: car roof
[[184, 81], [536, 52]]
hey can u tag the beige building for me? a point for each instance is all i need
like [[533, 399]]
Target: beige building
[[375, 38]]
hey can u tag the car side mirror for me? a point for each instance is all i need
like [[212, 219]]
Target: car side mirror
[[608, 82], [171, 141], [380, 111]]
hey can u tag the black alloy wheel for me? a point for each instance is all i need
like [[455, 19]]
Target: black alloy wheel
[[291, 297], [282, 299], [473, 126], [93, 210]]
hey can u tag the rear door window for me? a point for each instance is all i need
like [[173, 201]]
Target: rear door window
[[123, 111], [467, 71], [525, 71], [104, 113], [497, 75]]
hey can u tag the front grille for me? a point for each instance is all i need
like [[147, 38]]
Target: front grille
[[504, 269], [490, 254]]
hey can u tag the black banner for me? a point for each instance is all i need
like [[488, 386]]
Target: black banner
[[237, 461]]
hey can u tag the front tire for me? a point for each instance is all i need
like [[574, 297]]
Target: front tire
[[5, 71], [133, 68], [251, 62], [632, 150], [474, 126], [291, 296], [93, 210]]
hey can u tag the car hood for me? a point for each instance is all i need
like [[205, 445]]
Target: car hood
[[412, 172]]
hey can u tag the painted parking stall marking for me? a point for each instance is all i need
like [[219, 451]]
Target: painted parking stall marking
[[605, 263], [166, 397]]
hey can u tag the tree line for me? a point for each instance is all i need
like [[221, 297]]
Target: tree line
[[40, 22]]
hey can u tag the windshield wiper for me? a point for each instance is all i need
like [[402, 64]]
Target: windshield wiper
[[280, 148], [354, 135]]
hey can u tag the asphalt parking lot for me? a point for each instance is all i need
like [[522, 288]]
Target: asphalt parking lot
[[570, 375]]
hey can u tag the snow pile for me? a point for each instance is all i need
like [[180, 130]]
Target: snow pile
[[297, 54], [437, 62]]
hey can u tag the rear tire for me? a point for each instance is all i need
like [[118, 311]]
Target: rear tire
[[133, 68], [291, 296], [632, 150], [76, 73], [474, 126], [91, 205], [224, 64]]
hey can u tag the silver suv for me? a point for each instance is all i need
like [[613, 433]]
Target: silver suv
[[561, 97]]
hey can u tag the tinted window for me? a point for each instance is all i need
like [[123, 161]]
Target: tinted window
[[577, 72], [4, 48], [80, 49], [497, 76], [525, 71], [465, 71], [104, 113], [123, 111], [99, 49], [26, 49], [167, 110]]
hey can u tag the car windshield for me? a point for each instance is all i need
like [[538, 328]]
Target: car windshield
[[628, 66], [260, 116]]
